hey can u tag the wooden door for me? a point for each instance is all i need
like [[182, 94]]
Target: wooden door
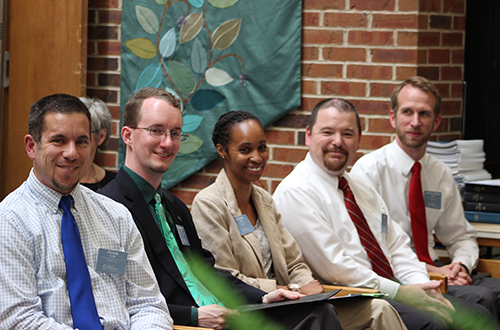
[[47, 41]]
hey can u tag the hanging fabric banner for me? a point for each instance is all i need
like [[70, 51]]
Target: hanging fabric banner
[[215, 56]]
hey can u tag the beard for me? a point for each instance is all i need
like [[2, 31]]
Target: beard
[[412, 142], [337, 163]]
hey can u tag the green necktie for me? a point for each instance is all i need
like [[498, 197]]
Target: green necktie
[[199, 292]]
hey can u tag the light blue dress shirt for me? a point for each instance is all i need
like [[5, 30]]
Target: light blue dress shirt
[[33, 288]]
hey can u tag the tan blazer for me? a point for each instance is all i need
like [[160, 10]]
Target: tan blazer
[[214, 210]]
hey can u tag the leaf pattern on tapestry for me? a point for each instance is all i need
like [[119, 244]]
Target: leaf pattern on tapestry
[[147, 19], [182, 77], [191, 123], [226, 33], [206, 99], [191, 28], [192, 144], [151, 76], [218, 77], [168, 43], [222, 3], [141, 47], [199, 57]]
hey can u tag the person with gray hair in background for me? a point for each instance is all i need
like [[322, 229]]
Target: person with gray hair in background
[[97, 177]]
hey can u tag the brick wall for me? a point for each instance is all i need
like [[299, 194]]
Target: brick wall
[[355, 49]]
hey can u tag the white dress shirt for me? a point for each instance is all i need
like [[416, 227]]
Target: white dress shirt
[[314, 211], [389, 170], [33, 284]]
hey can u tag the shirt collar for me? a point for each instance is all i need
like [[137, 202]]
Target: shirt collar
[[324, 175], [146, 189], [49, 196], [401, 158]]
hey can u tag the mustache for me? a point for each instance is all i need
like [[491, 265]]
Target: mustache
[[337, 149]]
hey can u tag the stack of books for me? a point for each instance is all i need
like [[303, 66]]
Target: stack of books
[[465, 158], [482, 201]]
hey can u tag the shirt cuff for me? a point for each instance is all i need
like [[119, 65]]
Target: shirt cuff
[[388, 286], [193, 320]]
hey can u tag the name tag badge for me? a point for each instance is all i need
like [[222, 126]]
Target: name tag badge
[[384, 223], [432, 199], [244, 224], [110, 261], [183, 235]]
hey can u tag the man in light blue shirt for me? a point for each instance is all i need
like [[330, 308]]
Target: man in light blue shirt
[[33, 269]]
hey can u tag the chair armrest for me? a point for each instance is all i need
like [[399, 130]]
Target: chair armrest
[[345, 290], [185, 327], [440, 277], [489, 266]]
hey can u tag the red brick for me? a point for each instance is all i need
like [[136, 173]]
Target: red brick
[[429, 72], [372, 4], [322, 70], [198, 181], [429, 38], [91, 48], [310, 53], [262, 184], [345, 20], [444, 89], [107, 96], [115, 127], [453, 39], [449, 107], [448, 137], [407, 39], [456, 90], [423, 22], [380, 125], [293, 121], [308, 103], [383, 38], [110, 17], [103, 4], [277, 170], [440, 22], [92, 17], [108, 79], [430, 6], [451, 73], [111, 144], [381, 90], [455, 124], [373, 142], [91, 79], [404, 72], [408, 5], [186, 196], [394, 55], [309, 87], [103, 32], [316, 36], [454, 6], [343, 88], [399, 21], [443, 126], [459, 23], [422, 56], [274, 185], [344, 54], [280, 137], [115, 111], [371, 107], [289, 154], [109, 48], [310, 19], [369, 72], [321, 4], [106, 159], [439, 56], [301, 139], [100, 63], [215, 166]]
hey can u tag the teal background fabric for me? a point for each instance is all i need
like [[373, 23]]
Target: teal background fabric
[[216, 56]]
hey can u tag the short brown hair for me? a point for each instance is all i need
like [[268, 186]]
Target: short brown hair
[[421, 83], [340, 104], [131, 111]]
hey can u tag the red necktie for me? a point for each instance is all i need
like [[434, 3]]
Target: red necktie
[[417, 215], [380, 264]]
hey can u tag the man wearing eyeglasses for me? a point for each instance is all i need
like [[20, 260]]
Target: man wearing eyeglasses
[[152, 123]]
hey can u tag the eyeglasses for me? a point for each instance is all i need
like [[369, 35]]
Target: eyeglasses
[[160, 134]]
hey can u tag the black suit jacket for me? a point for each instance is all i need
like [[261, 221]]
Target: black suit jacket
[[123, 190]]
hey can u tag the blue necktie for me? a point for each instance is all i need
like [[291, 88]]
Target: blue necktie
[[83, 307]]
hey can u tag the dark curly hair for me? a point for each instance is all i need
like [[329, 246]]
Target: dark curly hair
[[221, 134]]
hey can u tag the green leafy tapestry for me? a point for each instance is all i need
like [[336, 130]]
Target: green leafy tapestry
[[215, 56]]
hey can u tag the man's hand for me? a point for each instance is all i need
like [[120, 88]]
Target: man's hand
[[312, 287], [280, 295], [456, 273], [213, 316], [426, 297]]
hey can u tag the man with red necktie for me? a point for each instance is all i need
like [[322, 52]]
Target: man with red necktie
[[346, 235], [422, 196]]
